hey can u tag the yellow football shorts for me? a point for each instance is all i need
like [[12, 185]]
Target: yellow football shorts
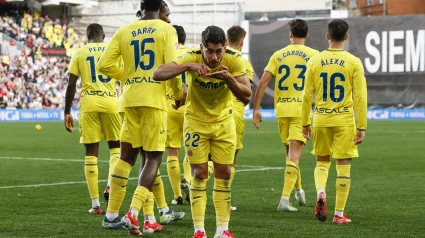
[[175, 121], [290, 129], [147, 127], [335, 141], [97, 125], [124, 134], [201, 139]]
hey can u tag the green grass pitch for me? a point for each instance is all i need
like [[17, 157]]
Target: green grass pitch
[[386, 197]]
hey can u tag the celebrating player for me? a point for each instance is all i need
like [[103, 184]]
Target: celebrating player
[[209, 124], [288, 66], [144, 45], [337, 78], [99, 116]]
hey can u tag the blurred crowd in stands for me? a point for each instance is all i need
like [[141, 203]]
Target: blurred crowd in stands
[[35, 81]]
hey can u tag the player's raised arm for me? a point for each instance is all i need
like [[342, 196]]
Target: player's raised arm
[[307, 98], [107, 64], [172, 69]]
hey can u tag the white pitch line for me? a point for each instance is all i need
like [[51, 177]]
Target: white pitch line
[[99, 161], [134, 178]]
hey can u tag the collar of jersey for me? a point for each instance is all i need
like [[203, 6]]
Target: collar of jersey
[[334, 49]]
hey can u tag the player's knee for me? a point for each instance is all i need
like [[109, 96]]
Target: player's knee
[[199, 171], [223, 171]]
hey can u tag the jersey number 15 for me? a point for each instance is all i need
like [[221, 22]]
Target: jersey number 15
[[140, 51]]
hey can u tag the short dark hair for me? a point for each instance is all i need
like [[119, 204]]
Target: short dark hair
[[181, 34], [337, 29], [94, 30], [139, 13], [213, 34], [235, 34], [299, 28], [152, 5]]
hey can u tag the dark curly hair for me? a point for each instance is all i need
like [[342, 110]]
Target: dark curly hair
[[213, 34], [139, 13]]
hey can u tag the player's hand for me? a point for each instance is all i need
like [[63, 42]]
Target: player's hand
[[182, 102], [257, 118], [307, 132], [359, 137], [223, 73], [69, 122], [200, 69]]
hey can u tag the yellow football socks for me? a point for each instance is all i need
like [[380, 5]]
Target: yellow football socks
[[343, 183], [148, 206], [114, 157], [139, 198], [187, 170], [173, 169], [298, 182], [290, 178], [119, 180], [221, 197], [321, 173], [92, 172], [158, 191], [198, 201]]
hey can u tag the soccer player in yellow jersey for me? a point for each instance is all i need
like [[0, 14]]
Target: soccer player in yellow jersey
[[340, 115], [235, 40], [209, 124], [288, 66], [144, 45], [98, 112], [175, 130]]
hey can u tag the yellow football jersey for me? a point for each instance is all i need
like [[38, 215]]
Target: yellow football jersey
[[186, 77], [98, 92], [238, 105], [144, 45], [209, 100], [337, 78], [289, 66]]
